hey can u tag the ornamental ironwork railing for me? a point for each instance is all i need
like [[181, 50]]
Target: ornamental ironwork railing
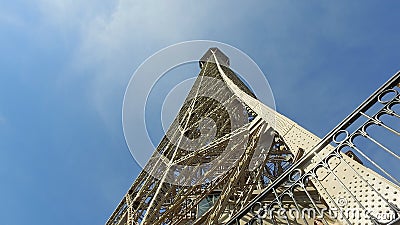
[[354, 168]]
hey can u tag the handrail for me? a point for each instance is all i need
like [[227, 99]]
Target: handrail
[[357, 113]]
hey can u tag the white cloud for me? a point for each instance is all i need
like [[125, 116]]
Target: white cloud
[[113, 45], [72, 13], [115, 38]]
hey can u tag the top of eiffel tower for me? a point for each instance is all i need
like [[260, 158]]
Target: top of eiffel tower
[[224, 62], [208, 57]]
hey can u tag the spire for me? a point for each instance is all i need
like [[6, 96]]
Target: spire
[[208, 57]]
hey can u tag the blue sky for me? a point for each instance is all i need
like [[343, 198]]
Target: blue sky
[[65, 66]]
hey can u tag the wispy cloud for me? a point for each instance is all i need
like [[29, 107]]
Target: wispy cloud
[[114, 44], [113, 39]]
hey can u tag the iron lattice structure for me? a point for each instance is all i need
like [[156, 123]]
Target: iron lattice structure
[[264, 168]]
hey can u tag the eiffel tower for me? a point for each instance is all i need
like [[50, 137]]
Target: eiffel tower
[[229, 159]]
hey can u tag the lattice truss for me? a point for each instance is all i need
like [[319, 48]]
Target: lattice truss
[[229, 159]]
